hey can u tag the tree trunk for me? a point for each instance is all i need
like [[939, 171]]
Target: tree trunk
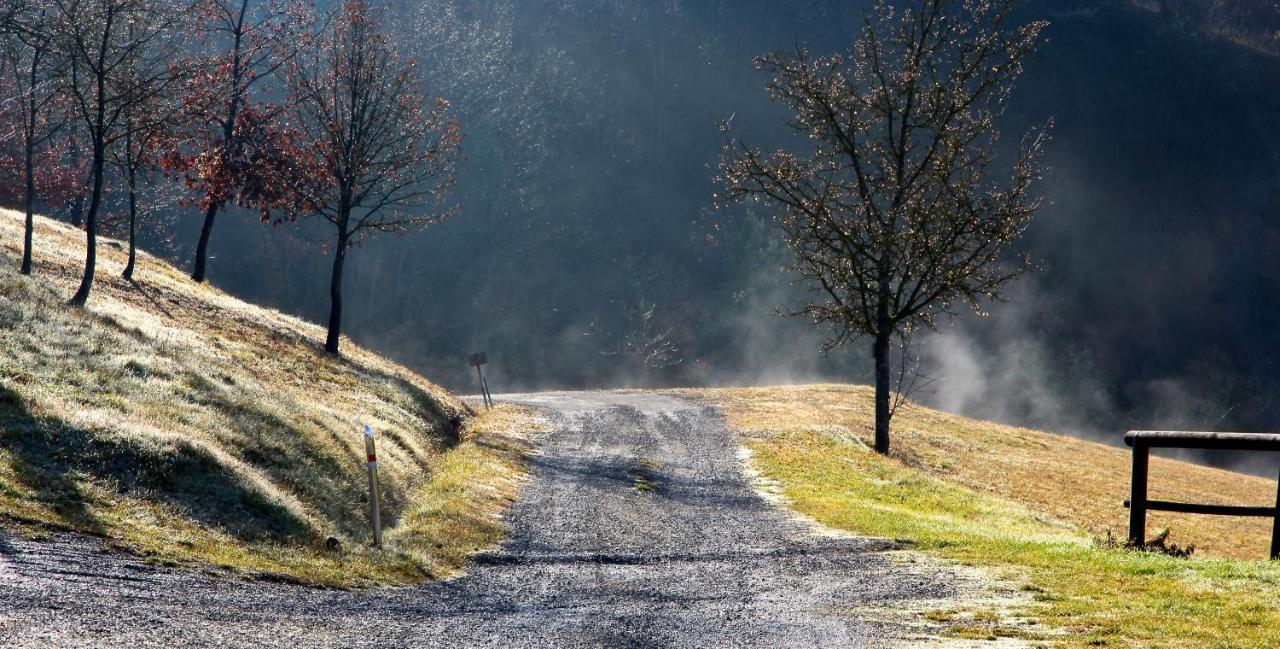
[[881, 352], [77, 206], [228, 144], [335, 295], [29, 150], [29, 204], [91, 229], [133, 228], [202, 248]]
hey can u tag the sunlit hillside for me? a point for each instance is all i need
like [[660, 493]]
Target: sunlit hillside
[[189, 426]]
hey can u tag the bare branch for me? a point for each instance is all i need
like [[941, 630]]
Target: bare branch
[[898, 212]]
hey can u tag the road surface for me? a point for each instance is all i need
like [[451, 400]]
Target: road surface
[[637, 528]]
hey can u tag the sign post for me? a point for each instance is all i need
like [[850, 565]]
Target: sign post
[[371, 451], [477, 359]]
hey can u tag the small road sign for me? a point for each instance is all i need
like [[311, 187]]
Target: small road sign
[[477, 359]]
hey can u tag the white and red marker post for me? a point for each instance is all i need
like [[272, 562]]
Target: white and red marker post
[[372, 452]]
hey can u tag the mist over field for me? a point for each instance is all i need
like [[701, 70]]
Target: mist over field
[[587, 251], [612, 323]]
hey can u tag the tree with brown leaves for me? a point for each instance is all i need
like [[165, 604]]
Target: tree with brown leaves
[[236, 147], [898, 212], [377, 156]]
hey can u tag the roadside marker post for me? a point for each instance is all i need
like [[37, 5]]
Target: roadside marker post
[[372, 452], [476, 360]]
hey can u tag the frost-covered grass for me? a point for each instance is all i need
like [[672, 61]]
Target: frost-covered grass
[[1027, 505], [196, 429]]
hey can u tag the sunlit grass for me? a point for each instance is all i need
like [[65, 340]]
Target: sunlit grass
[[195, 429], [458, 511], [813, 442], [1061, 478]]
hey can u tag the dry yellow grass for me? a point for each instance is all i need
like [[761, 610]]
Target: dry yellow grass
[[1022, 505], [1079, 482], [193, 427]]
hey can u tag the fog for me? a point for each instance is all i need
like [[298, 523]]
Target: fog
[[586, 218]]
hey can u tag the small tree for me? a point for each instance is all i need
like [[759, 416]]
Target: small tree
[[897, 213], [148, 127], [236, 147], [378, 158], [28, 58], [117, 57]]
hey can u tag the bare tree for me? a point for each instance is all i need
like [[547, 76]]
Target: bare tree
[[118, 56], [376, 156], [647, 342], [148, 125], [28, 57], [134, 159], [898, 212]]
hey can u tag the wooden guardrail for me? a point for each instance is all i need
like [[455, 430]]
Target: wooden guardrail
[[1143, 441]]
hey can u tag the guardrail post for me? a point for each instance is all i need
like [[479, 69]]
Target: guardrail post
[[374, 504], [1275, 527], [1138, 495]]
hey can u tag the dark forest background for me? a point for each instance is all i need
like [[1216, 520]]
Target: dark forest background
[[587, 252]]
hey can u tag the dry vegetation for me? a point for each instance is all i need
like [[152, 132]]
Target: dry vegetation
[[1071, 480], [194, 428], [1030, 506]]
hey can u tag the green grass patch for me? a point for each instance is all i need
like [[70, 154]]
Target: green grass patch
[[1098, 596]]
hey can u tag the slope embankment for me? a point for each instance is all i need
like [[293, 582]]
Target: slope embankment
[[191, 427]]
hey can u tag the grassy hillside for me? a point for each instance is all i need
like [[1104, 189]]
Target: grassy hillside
[[1034, 506], [194, 428]]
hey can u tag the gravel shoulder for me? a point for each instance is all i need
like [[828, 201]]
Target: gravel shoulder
[[638, 528]]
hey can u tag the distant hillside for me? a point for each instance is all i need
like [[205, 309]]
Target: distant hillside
[[191, 426], [1254, 24], [586, 216]]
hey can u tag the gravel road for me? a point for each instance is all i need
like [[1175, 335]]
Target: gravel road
[[637, 529]]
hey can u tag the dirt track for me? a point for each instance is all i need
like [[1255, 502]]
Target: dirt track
[[636, 529]]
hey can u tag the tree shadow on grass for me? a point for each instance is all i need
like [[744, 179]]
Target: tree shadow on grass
[[442, 419], [54, 462], [186, 475], [422, 401], [277, 448], [40, 467], [333, 485], [152, 295]]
